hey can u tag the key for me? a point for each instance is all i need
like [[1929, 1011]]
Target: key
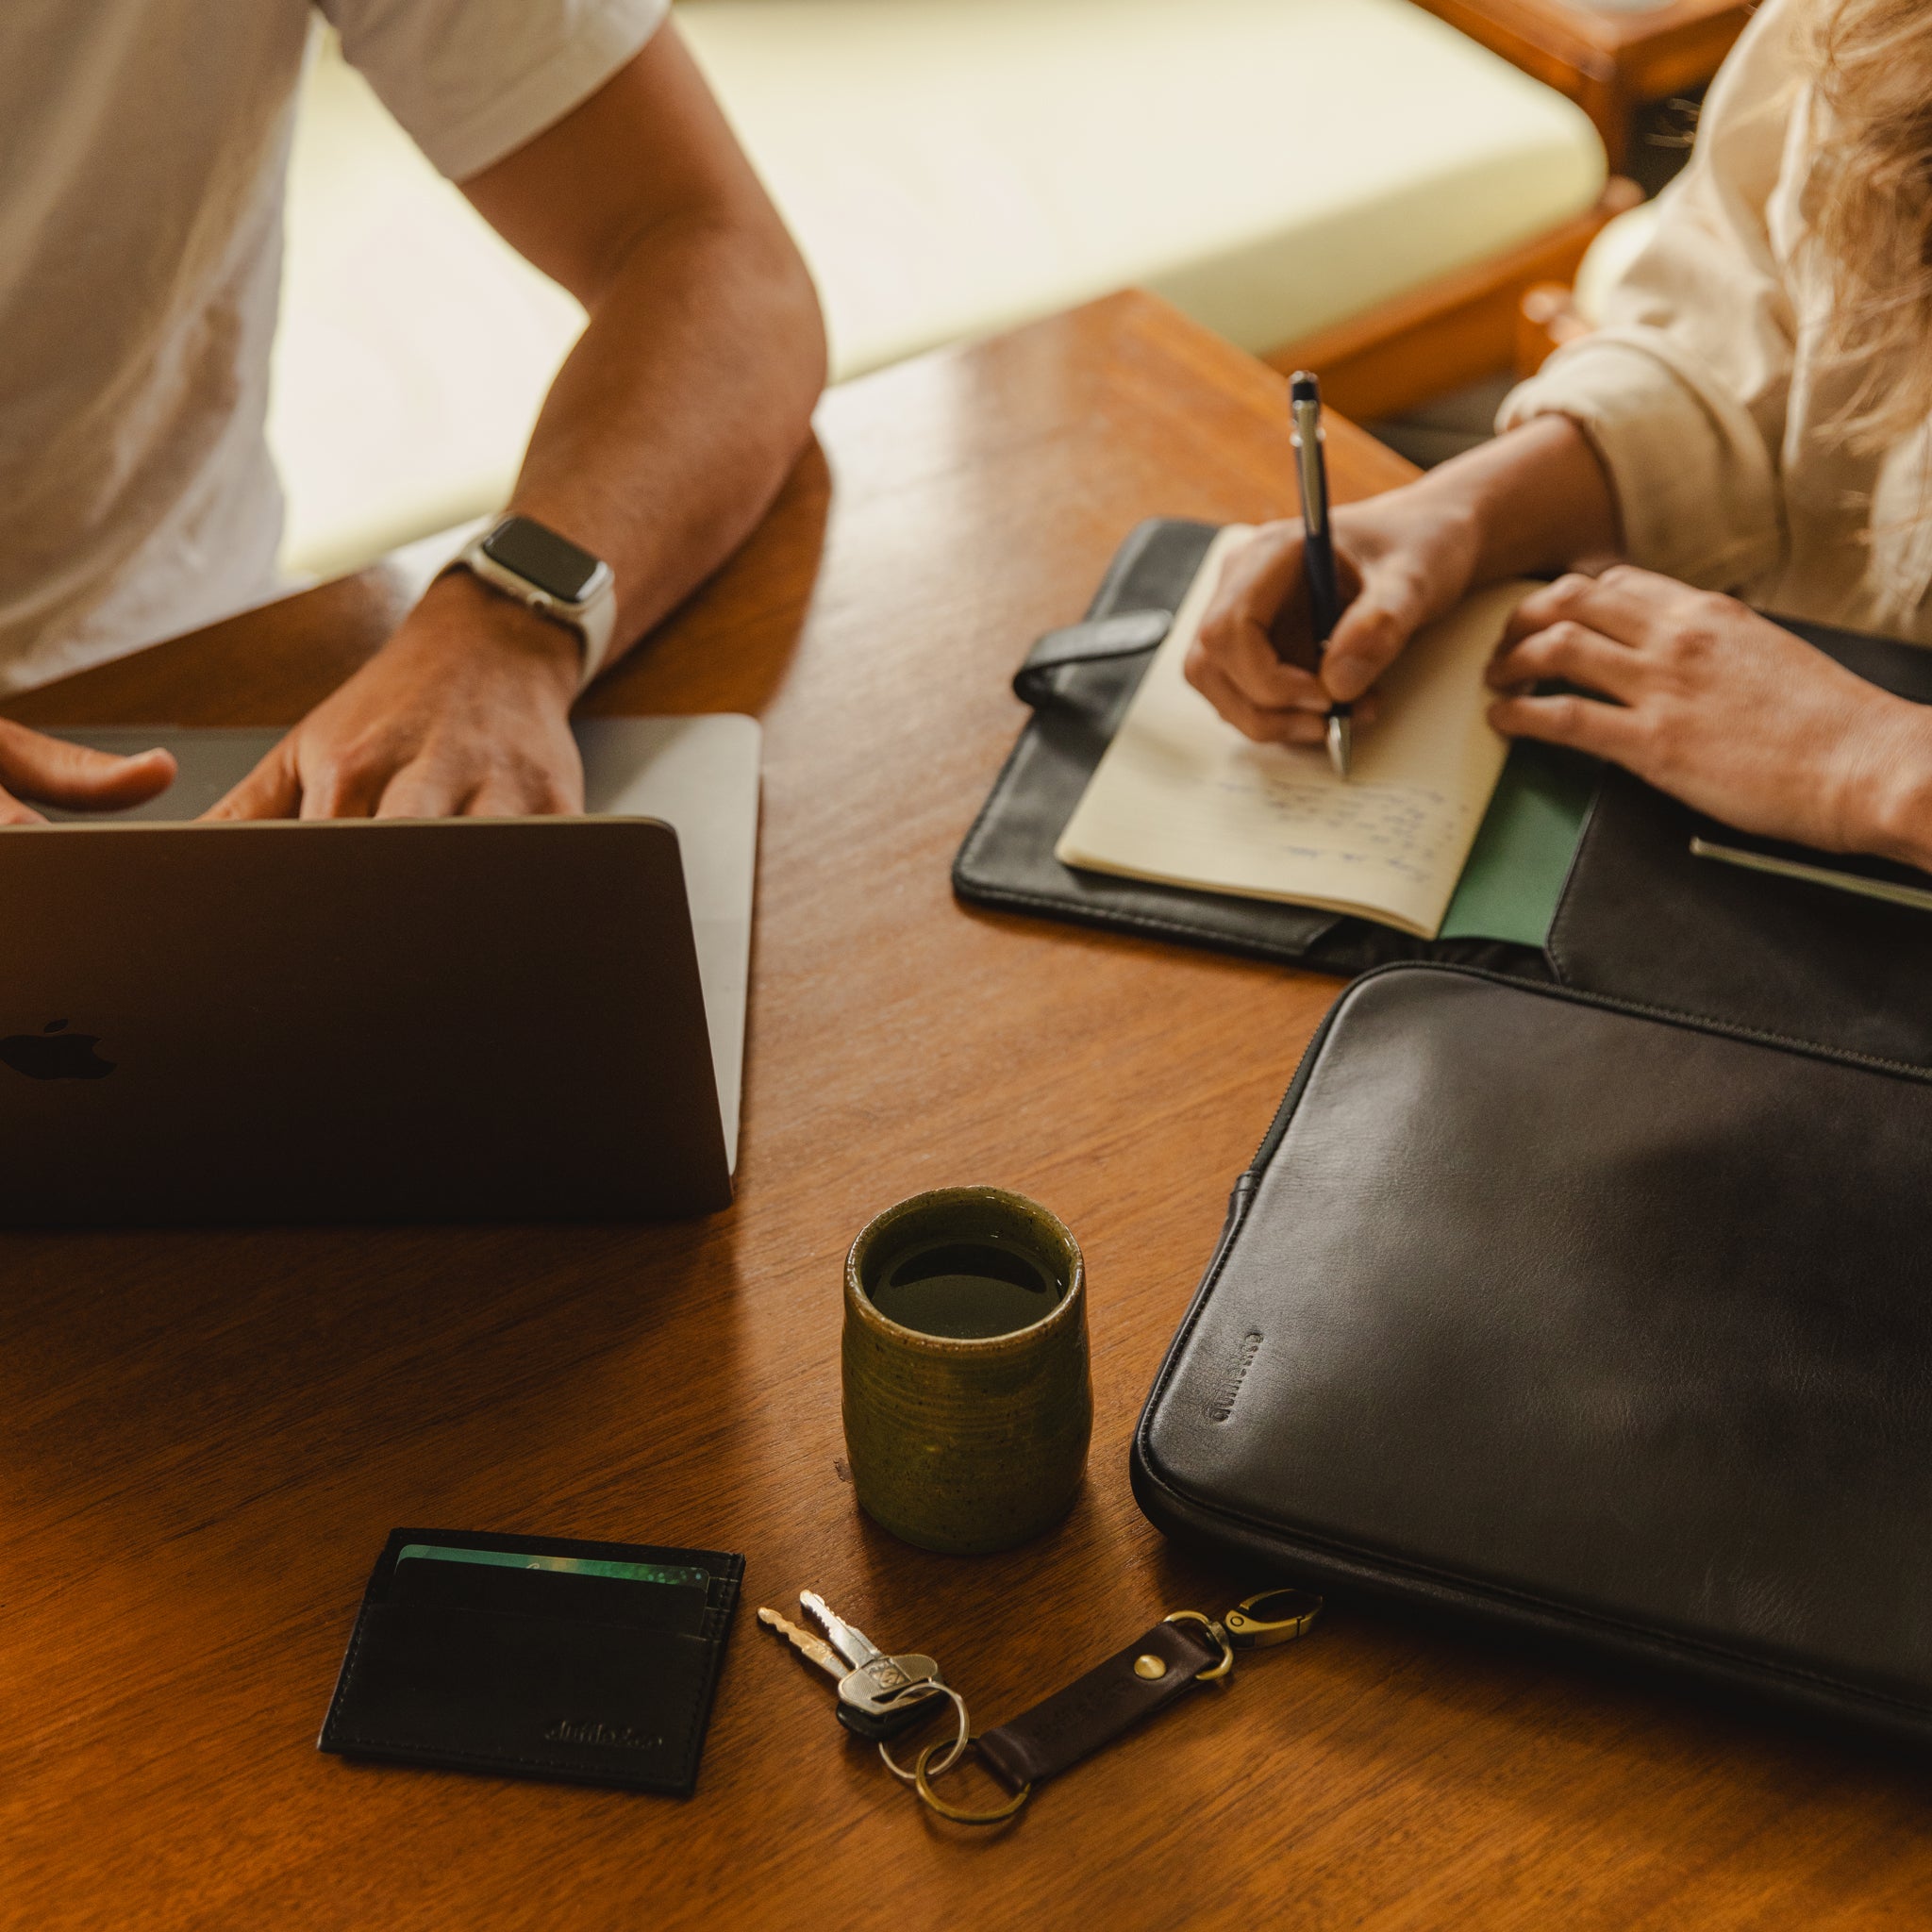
[[880, 1697], [853, 1644], [814, 1648]]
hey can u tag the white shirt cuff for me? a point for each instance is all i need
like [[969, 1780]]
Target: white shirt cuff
[[1696, 496]]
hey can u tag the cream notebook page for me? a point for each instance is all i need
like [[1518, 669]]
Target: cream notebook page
[[1181, 797]]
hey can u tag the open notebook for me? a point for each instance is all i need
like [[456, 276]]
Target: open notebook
[[1180, 796]]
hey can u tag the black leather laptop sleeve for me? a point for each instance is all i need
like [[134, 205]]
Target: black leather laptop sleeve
[[1608, 1327]]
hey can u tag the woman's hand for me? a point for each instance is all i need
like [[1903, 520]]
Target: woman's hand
[[1722, 709], [1534, 500], [1403, 559], [51, 772]]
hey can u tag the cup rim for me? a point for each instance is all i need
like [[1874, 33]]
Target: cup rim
[[869, 1310]]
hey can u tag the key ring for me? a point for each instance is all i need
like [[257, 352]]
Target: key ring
[[1219, 1634], [925, 1771], [953, 1750]]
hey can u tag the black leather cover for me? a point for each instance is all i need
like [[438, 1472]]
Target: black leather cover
[[1644, 921], [535, 1673], [1079, 687], [1640, 919], [1610, 1327]]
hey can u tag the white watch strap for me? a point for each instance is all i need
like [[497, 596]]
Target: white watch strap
[[595, 620]]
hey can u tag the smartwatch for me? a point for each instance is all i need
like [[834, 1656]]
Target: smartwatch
[[523, 560]]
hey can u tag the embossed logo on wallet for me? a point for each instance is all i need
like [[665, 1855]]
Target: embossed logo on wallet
[[1221, 1408], [567, 1731]]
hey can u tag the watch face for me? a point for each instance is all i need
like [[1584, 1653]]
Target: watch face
[[542, 558]]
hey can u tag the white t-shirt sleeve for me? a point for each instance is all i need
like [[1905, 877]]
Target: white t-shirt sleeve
[[473, 80]]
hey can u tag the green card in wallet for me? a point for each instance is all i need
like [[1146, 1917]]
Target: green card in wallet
[[536, 1657]]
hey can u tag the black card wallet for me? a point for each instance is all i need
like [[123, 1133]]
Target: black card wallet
[[545, 1673], [1611, 1328]]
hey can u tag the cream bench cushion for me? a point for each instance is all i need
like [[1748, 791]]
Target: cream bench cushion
[[414, 348], [951, 168]]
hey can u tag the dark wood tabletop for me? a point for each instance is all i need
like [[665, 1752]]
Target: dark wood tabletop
[[206, 1437]]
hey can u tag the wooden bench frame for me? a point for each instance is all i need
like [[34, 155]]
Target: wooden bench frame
[[1608, 63], [1454, 330]]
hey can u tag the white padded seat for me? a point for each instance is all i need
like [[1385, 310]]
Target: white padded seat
[[415, 346], [951, 168]]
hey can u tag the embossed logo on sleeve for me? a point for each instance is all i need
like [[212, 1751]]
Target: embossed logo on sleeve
[[1221, 1408]]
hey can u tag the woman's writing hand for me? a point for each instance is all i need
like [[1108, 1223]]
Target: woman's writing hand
[[1403, 559], [1537, 499]]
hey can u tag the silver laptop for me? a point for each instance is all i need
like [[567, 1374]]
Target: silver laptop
[[461, 1020]]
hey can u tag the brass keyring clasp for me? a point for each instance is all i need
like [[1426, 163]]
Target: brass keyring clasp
[[1272, 1616]]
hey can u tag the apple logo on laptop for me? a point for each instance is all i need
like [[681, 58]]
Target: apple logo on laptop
[[54, 1054]]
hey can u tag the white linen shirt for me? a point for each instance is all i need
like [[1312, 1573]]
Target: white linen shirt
[[144, 146], [1703, 390]]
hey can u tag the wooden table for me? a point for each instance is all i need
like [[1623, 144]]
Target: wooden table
[[206, 1436], [1609, 63]]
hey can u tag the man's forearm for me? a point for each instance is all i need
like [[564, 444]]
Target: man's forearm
[[681, 410], [665, 435]]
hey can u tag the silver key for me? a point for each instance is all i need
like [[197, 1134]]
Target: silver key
[[878, 1684], [879, 1687], [852, 1643]]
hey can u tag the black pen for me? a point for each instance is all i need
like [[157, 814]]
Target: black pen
[[1317, 547]]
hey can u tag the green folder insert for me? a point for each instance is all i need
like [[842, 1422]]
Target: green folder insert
[[1525, 847]]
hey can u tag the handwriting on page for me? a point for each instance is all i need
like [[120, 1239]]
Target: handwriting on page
[[1180, 796], [1407, 831]]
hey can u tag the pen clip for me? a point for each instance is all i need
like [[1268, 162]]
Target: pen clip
[[1311, 470]]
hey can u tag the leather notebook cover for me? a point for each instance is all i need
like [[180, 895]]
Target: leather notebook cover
[[1644, 921], [1640, 919], [563, 1672], [1555, 1314], [1079, 688]]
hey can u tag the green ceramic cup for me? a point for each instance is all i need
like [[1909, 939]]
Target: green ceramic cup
[[967, 1443]]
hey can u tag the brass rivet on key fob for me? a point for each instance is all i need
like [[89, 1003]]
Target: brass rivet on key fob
[[1148, 1665]]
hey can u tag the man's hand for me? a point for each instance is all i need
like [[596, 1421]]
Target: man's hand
[[465, 712], [1722, 709], [71, 776]]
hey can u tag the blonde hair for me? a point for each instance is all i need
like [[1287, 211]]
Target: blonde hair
[[1871, 211]]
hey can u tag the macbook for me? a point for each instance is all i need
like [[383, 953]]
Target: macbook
[[451, 1020]]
